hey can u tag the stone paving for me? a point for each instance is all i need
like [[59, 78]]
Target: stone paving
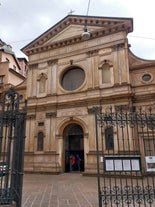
[[63, 190]]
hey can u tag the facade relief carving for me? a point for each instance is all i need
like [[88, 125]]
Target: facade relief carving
[[51, 115], [106, 51], [71, 112]]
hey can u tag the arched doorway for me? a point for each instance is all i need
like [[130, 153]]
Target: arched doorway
[[73, 147]]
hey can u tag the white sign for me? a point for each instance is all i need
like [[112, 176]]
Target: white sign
[[150, 163], [135, 165]]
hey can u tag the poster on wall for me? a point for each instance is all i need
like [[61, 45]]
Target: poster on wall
[[150, 163]]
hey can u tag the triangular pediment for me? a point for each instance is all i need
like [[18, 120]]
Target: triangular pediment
[[70, 29], [70, 32]]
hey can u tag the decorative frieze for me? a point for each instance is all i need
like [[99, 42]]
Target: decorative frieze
[[71, 112], [51, 114]]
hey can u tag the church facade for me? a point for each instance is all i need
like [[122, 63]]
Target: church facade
[[68, 76]]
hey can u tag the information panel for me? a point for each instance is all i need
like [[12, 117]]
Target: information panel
[[121, 163], [150, 163]]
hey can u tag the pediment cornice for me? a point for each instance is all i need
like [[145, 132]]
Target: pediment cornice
[[104, 26]]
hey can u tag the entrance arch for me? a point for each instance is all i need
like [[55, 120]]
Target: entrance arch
[[73, 146]]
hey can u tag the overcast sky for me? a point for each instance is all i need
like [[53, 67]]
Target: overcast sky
[[21, 21]]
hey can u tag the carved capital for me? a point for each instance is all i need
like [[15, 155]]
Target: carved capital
[[92, 53], [119, 46], [52, 62]]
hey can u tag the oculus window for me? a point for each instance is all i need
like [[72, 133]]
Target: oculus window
[[73, 78], [146, 77]]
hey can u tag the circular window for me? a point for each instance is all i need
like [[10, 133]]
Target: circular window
[[73, 78], [146, 77]]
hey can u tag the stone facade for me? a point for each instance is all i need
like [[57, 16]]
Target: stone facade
[[67, 77]]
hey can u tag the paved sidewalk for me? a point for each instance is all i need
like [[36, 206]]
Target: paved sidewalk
[[64, 190]]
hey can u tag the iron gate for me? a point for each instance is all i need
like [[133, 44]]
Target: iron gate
[[12, 136], [125, 148]]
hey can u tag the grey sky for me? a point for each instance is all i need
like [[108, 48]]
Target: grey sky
[[21, 21]]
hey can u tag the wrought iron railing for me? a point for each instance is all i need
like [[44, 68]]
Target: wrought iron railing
[[126, 171], [12, 141]]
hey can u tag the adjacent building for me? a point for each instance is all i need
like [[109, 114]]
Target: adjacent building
[[79, 63], [11, 71]]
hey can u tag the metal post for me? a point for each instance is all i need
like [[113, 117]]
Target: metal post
[[97, 157]]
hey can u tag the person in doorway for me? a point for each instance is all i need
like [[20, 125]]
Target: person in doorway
[[78, 161], [73, 162]]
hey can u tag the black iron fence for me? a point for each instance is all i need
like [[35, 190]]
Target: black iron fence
[[12, 141], [125, 143]]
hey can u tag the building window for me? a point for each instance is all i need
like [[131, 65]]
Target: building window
[[109, 138], [106, 73], [40, 141], [40, 123], [73, 78], [1, 79]]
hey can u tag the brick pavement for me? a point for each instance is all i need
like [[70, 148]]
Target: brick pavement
[[63, 190]]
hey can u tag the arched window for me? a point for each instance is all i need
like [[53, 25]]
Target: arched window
[[109, 138], [106, 73], [40, 141]]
